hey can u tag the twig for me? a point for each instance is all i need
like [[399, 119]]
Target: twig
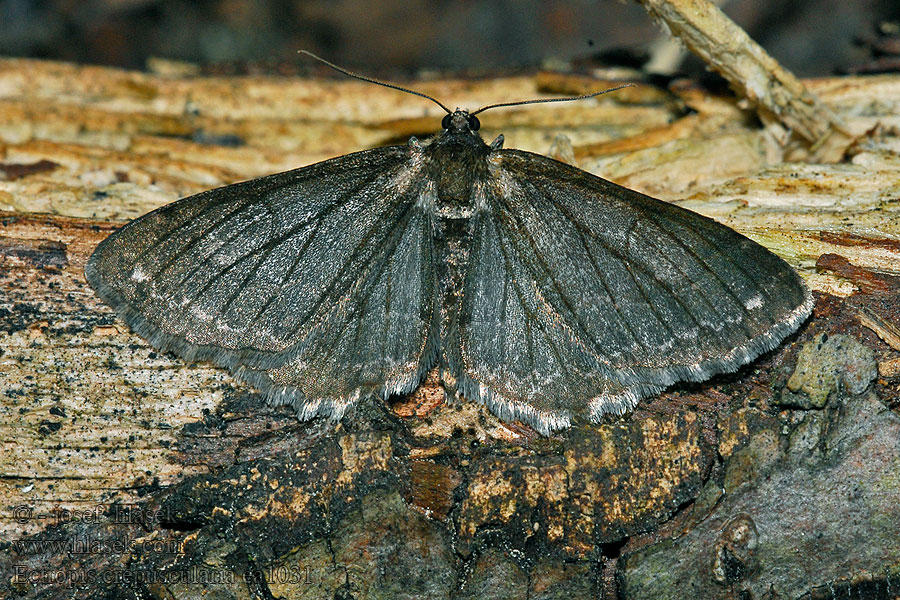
[[775, 92]]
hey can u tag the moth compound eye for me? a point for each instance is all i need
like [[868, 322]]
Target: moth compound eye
[[445, 122], [474, 123]]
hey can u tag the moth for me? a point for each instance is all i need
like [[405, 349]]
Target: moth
[[544, 292]]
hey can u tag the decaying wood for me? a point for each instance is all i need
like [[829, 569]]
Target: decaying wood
[[776, 93], [418, 496]]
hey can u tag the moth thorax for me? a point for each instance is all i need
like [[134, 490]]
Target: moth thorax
[[455, 198], [455, 207]]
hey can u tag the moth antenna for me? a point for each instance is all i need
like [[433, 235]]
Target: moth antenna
[[543, 100], [376, 81]]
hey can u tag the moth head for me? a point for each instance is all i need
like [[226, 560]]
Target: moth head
[[460, 121]]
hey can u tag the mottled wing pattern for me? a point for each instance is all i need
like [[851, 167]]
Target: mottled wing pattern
[[314, 285], [583, 296]]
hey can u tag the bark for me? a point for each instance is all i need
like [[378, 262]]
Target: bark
[[130, 473]]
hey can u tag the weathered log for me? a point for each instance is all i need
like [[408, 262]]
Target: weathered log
[[129, 472]]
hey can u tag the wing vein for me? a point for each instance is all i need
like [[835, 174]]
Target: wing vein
[[396, 237], [175, 256], [301, 252], [172, 231], [519, 292], [269, 244], [709, 269], [551, 344], [630, 264], [597, 271], [315, 308]]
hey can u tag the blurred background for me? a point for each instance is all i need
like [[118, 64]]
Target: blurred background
[[811, 37]]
